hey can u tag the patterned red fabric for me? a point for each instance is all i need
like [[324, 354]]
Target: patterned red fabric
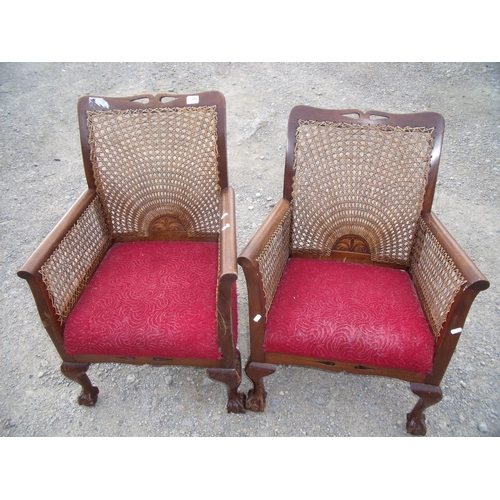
[[149, 299], [349, 312]]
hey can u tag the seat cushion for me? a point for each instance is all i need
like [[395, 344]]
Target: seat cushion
[[154, 298], [347, 312]]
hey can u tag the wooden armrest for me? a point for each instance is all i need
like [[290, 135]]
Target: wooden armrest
[[474, 277], [248, 257], [228, 267], [31, 267]]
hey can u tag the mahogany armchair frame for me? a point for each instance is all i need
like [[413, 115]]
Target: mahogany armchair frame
[[227, 369], [426, 386]]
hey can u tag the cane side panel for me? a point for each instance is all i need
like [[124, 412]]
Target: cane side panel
[[436, 278], [361, 181], [157, 167], [71, 265], [273, 258]]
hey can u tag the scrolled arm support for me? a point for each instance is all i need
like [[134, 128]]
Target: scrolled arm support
[[228, 274], [30, 271], [228, 268], [473, 281], [262, 277], [252, 258]]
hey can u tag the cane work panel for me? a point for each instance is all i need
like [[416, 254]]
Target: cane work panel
[[157, 165], [360, 181]]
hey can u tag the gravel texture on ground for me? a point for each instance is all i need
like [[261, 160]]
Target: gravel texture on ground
[[42, 176]]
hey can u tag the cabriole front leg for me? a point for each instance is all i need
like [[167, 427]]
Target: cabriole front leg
[[232, 378], [428, 395], [78, 373], [256, 400]]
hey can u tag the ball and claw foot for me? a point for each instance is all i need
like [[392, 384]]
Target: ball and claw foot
[[232, 378], [88, 398], [77, 372], [415, 424], [237, 405], [256, 399], [428, 395], [255, 402]]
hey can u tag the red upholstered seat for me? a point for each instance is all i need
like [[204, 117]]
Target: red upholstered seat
[[349, 312], [152, 298]]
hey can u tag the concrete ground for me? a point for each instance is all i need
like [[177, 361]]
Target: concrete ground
[[42, 176]]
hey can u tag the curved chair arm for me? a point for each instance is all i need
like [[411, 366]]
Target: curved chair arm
[[32, 270], [474, 277], [263, 261], [32, 266], [472, 282], [264, 234]]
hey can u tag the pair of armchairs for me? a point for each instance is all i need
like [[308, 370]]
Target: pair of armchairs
[[351, 271]]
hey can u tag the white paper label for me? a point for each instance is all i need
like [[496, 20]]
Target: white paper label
[[98, 102], [192, 99]]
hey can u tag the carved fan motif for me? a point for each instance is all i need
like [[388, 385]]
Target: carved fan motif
[[351, 243], [167, 223]]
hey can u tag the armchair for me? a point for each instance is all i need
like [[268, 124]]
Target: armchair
[[142, 269], [351, 271]]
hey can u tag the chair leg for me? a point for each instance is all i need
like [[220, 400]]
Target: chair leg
[[77, 373], [429, 395], [256, 400], [232, 378]]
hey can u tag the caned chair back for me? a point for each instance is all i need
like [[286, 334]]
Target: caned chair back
[[359, 185], [157, 169]]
